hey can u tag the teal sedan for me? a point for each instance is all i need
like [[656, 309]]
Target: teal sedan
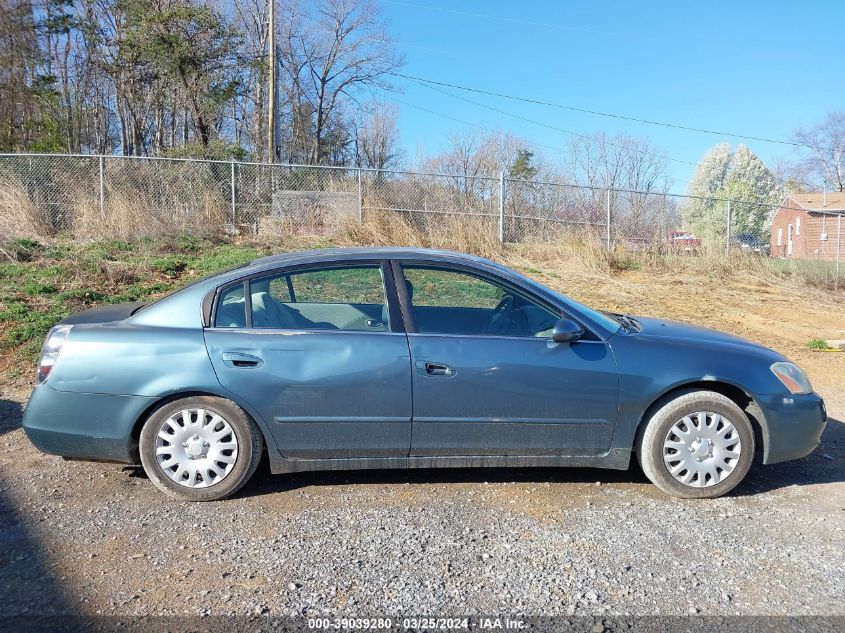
[[407, 358]]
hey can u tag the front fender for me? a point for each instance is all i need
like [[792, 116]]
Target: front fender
[[649, 369]]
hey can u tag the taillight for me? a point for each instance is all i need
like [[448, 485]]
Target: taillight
[[50, 351]]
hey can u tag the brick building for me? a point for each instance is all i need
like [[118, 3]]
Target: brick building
[[806, 225]]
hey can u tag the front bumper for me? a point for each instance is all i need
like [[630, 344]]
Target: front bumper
[[83, 425], [792, 425]]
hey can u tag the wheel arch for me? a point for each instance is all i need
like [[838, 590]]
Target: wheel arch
[[734, 392], [135, 434]]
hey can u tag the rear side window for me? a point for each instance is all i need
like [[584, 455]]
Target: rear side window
[[231, 308], [338, 285], [338, 298]]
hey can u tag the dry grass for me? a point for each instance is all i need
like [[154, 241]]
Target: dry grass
[[129, 216], [561, 253], [459, 233], [20, 215]]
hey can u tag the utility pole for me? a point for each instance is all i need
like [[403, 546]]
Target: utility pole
[[271, 93]]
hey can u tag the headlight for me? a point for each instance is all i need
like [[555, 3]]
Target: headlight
[[50, 351], [792, 377]]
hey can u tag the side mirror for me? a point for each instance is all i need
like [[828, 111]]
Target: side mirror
[[566, 331]]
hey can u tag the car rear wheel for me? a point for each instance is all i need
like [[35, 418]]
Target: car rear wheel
[[200, 448], [697, 445]]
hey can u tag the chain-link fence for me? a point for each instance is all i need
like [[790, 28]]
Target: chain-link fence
[[124, 195]]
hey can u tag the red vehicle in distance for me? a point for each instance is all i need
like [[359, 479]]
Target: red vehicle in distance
[[683, 241]]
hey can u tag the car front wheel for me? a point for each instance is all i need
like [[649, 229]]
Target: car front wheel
[[697, 445], [200, 448]]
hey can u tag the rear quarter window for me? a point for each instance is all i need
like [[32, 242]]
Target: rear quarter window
[[231, 308]]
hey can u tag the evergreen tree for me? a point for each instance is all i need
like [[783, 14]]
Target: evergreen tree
[[523, 167]]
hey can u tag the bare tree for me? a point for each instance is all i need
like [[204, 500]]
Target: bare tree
[[822, 160], [377, 138], [251, 19], [627, 163], [327, 61], [474, 152], [618, 162]]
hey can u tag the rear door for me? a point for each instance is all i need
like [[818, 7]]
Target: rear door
[[488, 379], [320, 352]]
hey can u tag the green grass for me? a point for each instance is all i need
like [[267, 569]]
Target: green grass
[[818, 344], [52, 281], [444, 288]]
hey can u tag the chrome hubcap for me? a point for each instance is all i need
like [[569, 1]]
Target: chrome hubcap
[[701, 449], [196, 448]]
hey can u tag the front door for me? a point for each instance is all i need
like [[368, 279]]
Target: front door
[[314, 352], [488, 379], [789, 241]]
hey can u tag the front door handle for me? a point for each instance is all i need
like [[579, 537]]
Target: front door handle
[[241, 360], [435, 369]]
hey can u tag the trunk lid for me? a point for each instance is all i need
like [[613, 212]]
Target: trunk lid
[[104, 314]]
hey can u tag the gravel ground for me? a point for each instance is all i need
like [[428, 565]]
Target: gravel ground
[[98, 538]]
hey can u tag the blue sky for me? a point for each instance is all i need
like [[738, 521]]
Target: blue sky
[[756, 68]]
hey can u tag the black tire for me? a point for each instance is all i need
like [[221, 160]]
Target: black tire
[[250, 443], [650, 445]]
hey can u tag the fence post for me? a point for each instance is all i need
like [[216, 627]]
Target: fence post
[[360, 197], [501, 207], [232, 187], [838, 249], [728, 231], [608, 237], [102, 187]]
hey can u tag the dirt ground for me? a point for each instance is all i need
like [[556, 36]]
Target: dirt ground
[[95, 538]]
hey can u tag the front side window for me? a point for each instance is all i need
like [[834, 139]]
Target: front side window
[[447, 301], [338, 298]]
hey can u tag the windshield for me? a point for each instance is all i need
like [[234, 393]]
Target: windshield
[[600, 318]]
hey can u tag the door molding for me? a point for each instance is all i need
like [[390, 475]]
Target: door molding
[[614, 458]]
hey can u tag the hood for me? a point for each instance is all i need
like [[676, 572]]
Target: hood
[[692, 334], [104, 314]]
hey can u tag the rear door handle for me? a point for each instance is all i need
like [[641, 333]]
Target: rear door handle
[[435, 369], [241, 360]]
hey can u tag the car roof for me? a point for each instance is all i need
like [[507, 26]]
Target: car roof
[[181, 308], [374, 252], [196, 290]]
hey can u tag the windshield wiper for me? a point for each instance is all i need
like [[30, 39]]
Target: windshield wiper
[[626, 321], [631, 323]]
